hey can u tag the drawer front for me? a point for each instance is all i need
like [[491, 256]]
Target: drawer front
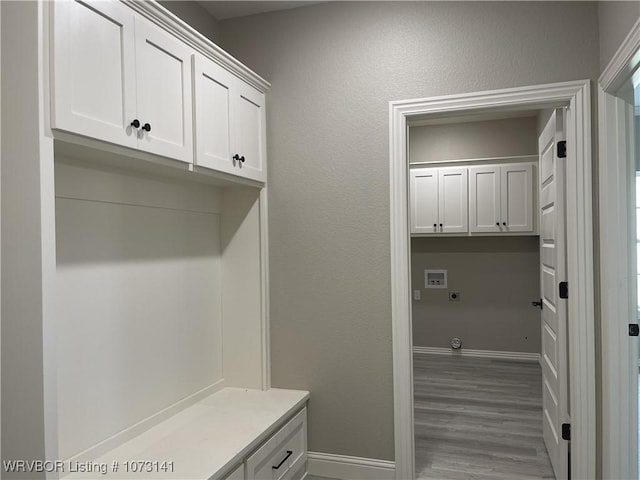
[[282, 455]]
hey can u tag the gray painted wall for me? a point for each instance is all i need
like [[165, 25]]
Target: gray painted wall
[[497, 279], [334, 67], [615, 22], [196, 16], [491, 138]]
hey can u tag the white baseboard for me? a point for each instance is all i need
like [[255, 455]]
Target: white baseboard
[[349, 468], [466, 352]]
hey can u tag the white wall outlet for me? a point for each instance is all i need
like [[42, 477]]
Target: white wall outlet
[[416, 294]]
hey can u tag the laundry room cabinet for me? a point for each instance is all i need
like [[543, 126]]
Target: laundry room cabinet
[[438, 200], [134, 266], [121, 79], [486, 199], [501, 198], [230, 122]]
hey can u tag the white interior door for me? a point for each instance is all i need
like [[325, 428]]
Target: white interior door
[[555, 392]]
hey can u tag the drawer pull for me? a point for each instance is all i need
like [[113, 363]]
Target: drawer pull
[[289, 453]]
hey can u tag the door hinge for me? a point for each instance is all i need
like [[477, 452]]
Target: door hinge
[[634, 329], [563, 290], [562, 149], [566, 431]]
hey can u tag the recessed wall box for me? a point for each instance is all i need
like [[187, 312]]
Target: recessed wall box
[[435, 279]]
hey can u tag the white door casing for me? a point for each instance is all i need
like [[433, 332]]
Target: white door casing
[[575, 94], [554, 309]]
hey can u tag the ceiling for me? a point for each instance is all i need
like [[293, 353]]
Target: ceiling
[[241, 8]]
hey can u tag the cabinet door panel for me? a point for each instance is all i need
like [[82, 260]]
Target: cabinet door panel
[[423, 204], [249, 120], [517, 197], [93, 66], [212, 105], [453, 200], [164, 93], [484, 199]]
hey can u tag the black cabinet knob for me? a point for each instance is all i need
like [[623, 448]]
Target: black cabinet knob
[[504, 223], [440, 225], [146, 127], [242, 159], [498, 223], [135, 123], [236, 157], [435, 225]]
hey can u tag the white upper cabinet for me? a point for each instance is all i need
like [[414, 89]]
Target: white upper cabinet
[[438, 200], [163, 91], [424, 200], [501, 198], [120, 77], [230, 122], [94, 78], [453, 200]]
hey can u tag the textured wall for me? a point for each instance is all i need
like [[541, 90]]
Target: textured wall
[[615, 22], [334, 68], [492, 138], [196, 16], [497, 279]]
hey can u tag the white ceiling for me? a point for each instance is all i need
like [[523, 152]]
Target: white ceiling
[[241, 8]]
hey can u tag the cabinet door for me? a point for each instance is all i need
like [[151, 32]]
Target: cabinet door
[[484, 199], [517, 197], [93, 70], [163, 86], [423, 203], [453, 200], [248, 123], [212, 94]]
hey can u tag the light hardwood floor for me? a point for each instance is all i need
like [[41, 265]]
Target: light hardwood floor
[[479, 419]]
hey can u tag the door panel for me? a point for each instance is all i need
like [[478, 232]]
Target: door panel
[[554, 312], [248, 120], [213, 112], [484, 199], [453, 200], [93, 62], [517, 197], [423, 203], [164, 93]]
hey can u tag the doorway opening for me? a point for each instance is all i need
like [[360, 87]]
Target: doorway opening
[[574, 96]]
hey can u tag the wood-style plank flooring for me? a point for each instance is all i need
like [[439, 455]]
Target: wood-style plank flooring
[[478, 419]]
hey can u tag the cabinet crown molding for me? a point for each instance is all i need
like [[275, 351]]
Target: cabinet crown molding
[[159, 15]]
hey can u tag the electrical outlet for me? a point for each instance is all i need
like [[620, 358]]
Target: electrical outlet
[[454, 296], [416, 294]]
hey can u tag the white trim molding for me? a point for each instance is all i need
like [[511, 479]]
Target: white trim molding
[[617, 252], [576, 96], [349, 468], [468, 352]]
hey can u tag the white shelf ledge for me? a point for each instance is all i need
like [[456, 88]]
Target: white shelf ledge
[[204, 441]]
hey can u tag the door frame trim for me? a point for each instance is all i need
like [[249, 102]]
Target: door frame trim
[[617, 302], [580, 264]]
